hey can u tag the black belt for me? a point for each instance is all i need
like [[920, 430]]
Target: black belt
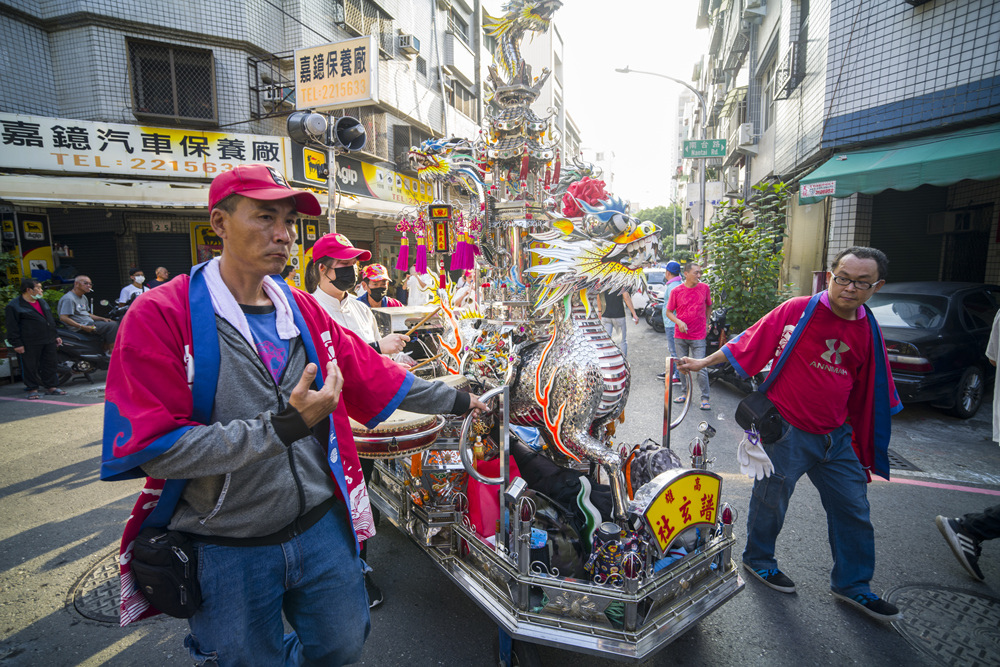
[[294, 529]]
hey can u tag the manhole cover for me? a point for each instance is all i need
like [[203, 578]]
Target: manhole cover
[[954, 626], [97, 594], [897, 462]]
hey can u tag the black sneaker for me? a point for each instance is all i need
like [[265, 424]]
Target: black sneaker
[[661, 376], [965, 547], [772, 577], [872, 605], [374, 592]]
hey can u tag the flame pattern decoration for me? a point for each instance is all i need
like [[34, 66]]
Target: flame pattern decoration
[[542, 398]]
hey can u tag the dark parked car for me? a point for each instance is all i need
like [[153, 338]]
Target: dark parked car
[[936, 336]]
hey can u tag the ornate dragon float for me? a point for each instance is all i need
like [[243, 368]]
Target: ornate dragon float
[[545, 244]]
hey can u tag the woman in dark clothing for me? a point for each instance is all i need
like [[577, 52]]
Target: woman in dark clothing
[[31, 330]]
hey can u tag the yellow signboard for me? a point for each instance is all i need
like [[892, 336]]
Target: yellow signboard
[[689, 499], [338, 75], [315, 168]]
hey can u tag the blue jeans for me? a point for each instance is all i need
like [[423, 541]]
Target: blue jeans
[[834, 469], [671, 347], [315, 579], [696, 350]]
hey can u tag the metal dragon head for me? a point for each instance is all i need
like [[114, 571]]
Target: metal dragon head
[[605, 253]]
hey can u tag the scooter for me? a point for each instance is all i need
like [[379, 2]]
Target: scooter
[[79, 354], [654, 313]]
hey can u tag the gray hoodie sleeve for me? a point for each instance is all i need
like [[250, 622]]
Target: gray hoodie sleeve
[[218, 449], [434, 398]]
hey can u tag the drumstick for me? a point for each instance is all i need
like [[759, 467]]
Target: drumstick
[[426, 317], [425, 362]]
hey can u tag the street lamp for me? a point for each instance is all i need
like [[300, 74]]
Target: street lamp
[[704, 117]]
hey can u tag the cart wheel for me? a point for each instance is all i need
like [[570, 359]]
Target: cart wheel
[[517, 653], [525, 654]]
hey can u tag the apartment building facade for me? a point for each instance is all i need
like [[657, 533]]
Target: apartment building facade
[[812, 92], [127, 110]]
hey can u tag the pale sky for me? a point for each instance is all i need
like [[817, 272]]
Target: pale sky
[[633, 115]]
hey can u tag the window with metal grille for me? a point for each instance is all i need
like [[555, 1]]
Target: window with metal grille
[[364, 17], [172, 82], [769, 92], [462, 99], [458, 25], [421, 66]]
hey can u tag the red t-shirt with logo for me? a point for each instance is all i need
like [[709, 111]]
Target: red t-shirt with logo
[[691, 305], [832, 357]]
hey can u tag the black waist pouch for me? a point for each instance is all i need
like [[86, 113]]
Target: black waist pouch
[[756, 411], [165, 567]]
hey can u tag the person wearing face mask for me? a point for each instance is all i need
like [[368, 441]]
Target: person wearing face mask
[[74, 312], [134, 288], [330, 277], [375, 279], [31, 330]]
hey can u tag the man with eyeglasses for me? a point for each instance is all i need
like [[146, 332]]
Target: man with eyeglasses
[[835, 394], [74, 313]]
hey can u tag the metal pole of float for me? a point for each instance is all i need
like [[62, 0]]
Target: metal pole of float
[[331, 186]]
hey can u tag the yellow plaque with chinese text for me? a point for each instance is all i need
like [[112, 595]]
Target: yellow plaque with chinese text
[[688, 498]]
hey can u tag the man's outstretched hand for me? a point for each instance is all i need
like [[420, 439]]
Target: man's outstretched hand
[[315, 406]]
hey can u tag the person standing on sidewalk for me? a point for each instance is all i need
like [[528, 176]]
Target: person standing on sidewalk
[[966, 534], [835, 394], [614, 316], [673, 280], [688, 308], [31, 330], [245, 438]]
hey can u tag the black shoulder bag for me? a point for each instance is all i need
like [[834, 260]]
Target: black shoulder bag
[[165, 566], [756, 411]]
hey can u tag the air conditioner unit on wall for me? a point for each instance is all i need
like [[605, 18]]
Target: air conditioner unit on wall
[[409, 44], [745, 135]]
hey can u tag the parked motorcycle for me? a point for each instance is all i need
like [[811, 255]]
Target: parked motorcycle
[[654, 313], [79, 354]]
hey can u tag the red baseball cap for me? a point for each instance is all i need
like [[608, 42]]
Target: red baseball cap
[[261, 182], [338, 246]]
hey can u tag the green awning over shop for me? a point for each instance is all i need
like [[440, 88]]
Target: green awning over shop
[[941, 159]]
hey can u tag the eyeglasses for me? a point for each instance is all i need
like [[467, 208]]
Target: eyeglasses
[[860, 284]]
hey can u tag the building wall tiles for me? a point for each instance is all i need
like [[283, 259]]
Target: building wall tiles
[[895, 69]]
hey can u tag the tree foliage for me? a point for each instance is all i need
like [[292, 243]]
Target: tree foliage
[[744, 253], [670, 220]]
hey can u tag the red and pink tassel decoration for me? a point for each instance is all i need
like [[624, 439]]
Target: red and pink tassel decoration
[[420, 261], [403, 261]]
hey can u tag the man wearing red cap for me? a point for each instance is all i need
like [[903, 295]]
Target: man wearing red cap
[[335, 272], [231, 394], [375, 279]]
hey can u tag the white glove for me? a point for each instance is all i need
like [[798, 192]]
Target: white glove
[[754, 461]]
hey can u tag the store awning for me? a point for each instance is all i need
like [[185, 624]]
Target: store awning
[[32, 190], [941, 159], [366, 207]]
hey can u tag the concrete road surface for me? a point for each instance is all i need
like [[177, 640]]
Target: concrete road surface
[[59, 526]]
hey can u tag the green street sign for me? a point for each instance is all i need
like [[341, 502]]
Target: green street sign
[[700, 148]]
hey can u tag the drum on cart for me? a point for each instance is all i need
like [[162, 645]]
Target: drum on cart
[[401, 434]]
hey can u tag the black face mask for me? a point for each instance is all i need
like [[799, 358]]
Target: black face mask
[[345, 277], [376, 293]]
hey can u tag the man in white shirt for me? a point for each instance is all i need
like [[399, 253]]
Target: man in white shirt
[[336, 259], [418, 287], [134, 288]]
